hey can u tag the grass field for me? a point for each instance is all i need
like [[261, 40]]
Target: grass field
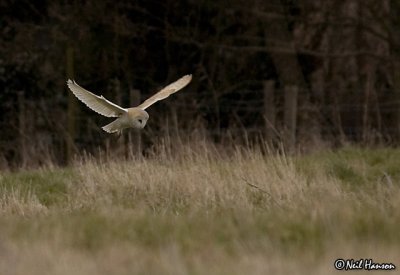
[[200, 211]]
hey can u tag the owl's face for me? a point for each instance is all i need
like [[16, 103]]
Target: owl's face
[[138, 118], [140, 122]]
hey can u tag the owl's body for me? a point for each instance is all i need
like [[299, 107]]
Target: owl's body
[[135, 117]]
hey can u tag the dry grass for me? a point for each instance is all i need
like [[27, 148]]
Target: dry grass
[[201, 211]]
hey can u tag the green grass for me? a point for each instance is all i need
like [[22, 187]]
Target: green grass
[[49, 186], [195, 213]]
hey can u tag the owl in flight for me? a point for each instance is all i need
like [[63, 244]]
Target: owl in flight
[[135, 117]]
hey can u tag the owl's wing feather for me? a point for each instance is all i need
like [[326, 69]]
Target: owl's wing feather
[[97, 103], [166, 91]]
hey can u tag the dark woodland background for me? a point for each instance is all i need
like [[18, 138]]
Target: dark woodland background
[[303, 72]]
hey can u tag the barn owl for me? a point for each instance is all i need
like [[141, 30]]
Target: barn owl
[[135, 117]]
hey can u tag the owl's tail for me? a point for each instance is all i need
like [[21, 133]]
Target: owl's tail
[[112, 127]]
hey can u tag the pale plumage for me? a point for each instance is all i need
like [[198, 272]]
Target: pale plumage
[[135, 117], [166, 91], [98, 104]]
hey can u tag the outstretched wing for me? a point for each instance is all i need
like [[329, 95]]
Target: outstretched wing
[[97, 103], [167, 91]]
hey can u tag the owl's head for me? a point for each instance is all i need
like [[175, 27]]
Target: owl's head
[[138, 118]]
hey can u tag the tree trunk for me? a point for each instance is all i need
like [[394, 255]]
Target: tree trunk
[[22, 128], [318, 94], [287, 66], [290, 116], [395, 57], [269, 111], [71, 125]]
